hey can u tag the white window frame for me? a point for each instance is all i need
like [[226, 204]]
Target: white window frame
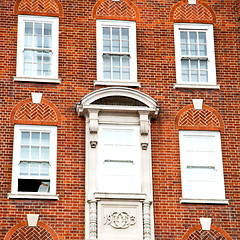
[[135, 148], [131, 25], [208, 28], [18, 129], [206, 195], [53, 78]]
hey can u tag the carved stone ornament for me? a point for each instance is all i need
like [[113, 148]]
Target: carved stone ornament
[[119, 220], [144, 146], [93, 144]]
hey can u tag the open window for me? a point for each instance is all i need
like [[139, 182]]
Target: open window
[[34, 162]]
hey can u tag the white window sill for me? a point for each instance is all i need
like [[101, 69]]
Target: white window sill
[[118, 83], [203, 86], [33, 79], [132, 196], [33, 196], [205, 201]]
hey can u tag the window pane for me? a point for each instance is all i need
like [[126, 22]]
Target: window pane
[[37, 56], [203, 64], [185, 64], [46, 69], [107, 61], [106, 73], [184, 37], [34, 169], [194, 64], [116, 61], [116, 73], [125, 46], [38, 29], [193, 37], [27, 69], [25, 137], [116, 46], [193, 50], [184, 50], [115, 33], [44, 169], [24, 153], [106, 33], [47, 57], [106, 45], [125, 34], [35, 138], [203, 50], [185, 75], [24, 168], [28, 54], [28, 41], [126, 73], [202, 37], [194, 76], [34, 153], [45, 153], [47, 42], [28, 28], [125, 61], [203, 76], [47, 29]]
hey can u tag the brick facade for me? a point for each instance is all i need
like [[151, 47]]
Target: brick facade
[[65, 218]]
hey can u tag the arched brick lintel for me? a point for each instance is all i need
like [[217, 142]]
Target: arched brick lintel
[[35, 122], [220, 127], [213, 227], [23, 224], [31, 12], [177, 5], [130, 3]]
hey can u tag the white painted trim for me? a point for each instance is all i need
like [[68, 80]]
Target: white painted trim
[[205, 201], [86, 101], [20, 46], [39, 80], [197, 103], [134, 196], [32, 220], [192, 1], [33, 196], [119, 83], [132, 51], [203, 86], [36, 97], [206, 223], [208, 28]]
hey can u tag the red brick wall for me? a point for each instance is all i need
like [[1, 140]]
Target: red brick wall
[[156, 73]]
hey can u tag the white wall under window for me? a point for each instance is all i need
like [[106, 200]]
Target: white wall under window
[[37, 49], [201, 165]]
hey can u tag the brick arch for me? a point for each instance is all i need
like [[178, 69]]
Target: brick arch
[[200, 12], [51, 8], [206, 119], [116, 10], [196, 233], [27, 112], [21, 230]]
